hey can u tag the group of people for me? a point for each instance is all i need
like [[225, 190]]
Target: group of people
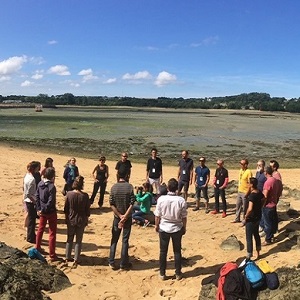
[[256, 202]]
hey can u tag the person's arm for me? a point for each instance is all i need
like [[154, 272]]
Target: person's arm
[[191, 174], [207, 179], [265, 193], [38, 201], [157, 222], [249, 210], [51, 200], [195, 176], [178, 174], [66, 209], [184, 222], [94, 175]]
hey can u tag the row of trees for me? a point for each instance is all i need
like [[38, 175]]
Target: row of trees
[[256, 101]]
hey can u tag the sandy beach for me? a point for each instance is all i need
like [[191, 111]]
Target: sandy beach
[[93, 279]]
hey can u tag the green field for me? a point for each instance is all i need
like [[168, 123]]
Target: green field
[[89, 132]]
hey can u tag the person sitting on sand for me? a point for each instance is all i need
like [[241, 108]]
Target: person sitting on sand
[[253, 217], [144, 198]]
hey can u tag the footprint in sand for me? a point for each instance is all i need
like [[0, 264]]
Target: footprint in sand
[[168, 293], [111, 296]]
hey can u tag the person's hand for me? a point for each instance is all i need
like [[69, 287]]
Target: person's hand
[[96, 180], [156, 228], [39, 213], [183, 230]]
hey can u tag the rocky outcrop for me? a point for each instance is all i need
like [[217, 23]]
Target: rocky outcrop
[[289, 279], [22, 278]]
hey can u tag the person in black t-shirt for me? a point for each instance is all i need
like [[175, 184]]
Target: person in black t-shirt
[[124, 166], [252, 217], [154, 171], [100, 174], [220, 183]]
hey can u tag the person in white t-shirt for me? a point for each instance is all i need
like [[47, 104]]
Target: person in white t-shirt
[[170, 223]]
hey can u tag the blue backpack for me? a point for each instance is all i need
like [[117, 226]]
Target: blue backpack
[[254, 275]]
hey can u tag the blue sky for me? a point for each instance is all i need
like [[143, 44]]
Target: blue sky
[[154, 48]]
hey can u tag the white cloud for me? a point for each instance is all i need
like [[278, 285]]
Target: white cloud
[[85, 72], [4, 78], [52, 42], [75, 84], [137, 76], [164, 78], [60, 70], [26, 83], [87, 75], [12, 64], [37, 75], [212, 40], [110, 80]]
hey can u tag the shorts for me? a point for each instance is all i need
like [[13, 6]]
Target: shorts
[[183, 184]]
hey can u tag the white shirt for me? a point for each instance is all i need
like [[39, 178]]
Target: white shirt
[[29, 187], [171, 209]]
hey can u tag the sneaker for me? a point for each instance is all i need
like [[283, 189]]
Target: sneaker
[[196, 208], [178, 276], [146, 224], [224, 215], [162, 277], [262, 234], [113, 266], [126, 267], [214, 212], [265, 243]]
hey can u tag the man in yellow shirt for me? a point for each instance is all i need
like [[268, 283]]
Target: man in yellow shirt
[[243, 187]]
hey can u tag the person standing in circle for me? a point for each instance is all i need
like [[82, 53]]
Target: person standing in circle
[[154, 173], [100, 174], [185, 173], [70, 173], [123, 167]]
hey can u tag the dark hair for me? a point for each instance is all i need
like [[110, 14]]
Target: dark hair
[[163, 189], [147, 186], [102, 158], [154, 149], [78, 183], [48, 162], [172, 185], [36, 164], [263, 162], [253, 181], [246, 161], [49, 173], [275, 164], [269, 170]]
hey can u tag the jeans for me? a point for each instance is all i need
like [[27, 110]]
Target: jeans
[[204, 193], [138, 215], [116, 232], [218, 193], [270, 222], [78, 232], [241, 205], [164, 239], [31, 217], [102, 186], [52, 220], [252, 230]]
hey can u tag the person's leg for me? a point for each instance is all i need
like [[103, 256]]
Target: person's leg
[[249, 241], [95, 190], [114, 240], [102, 193], [125, 244], [139, 216], [41, 229], [257, 238], [180, 186], [78, 242], [164, 239], [238, 207], [52, 220], [223, 197], [217, 196], [186, 190], [31, 237], [205, 196], [176, 241], [197, 198], [245, 206], [70, 238], [267, 213]]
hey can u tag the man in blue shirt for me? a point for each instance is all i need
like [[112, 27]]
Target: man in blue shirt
[[202, 176]]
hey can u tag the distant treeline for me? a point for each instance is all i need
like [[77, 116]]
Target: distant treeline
[[254, 101]]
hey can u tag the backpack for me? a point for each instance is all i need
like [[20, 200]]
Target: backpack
[[255, 276], [236, 286]]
